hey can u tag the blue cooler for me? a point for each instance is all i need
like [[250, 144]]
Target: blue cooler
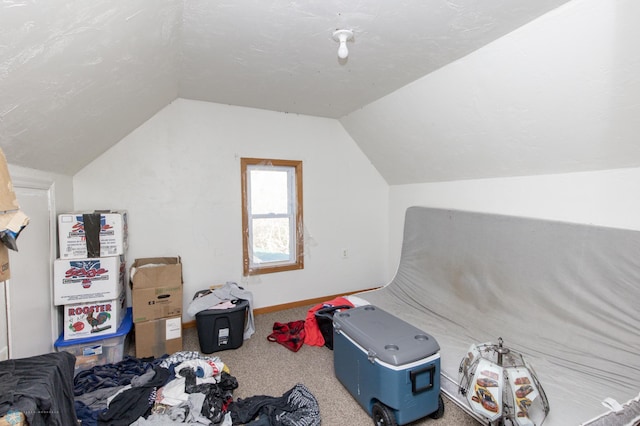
[[389, 366]]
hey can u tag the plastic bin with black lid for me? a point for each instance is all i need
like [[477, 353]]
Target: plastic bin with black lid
[[221, 329]]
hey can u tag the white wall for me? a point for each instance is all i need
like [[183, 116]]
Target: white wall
[[605, 198], [557, 95], [178, 175], [63, 184]]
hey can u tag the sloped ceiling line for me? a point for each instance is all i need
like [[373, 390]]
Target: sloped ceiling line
[[76, 77]]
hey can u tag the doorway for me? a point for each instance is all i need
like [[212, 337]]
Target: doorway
[[32, 319]]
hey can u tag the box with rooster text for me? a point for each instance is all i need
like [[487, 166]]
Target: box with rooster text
[[88, 319], [87, 280], [98, 350]]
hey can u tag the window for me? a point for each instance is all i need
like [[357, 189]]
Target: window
[[272, 236]]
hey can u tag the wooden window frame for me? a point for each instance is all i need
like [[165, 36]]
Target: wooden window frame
[[298, 258]]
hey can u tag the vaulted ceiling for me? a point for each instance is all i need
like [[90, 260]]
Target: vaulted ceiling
[[77, 76]]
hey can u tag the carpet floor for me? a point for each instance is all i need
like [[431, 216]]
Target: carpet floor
[[266, 368]]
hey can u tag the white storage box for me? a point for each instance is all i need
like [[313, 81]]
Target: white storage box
[[75, 241], [98, 350], [84, 280], [87, 319]]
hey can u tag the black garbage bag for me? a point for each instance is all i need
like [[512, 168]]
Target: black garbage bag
[[324, 318]]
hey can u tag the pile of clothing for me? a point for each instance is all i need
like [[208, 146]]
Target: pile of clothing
[[38, 390], [186, 387], [315, 330], [183, 388]]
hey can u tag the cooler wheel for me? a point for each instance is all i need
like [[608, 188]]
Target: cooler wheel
[[382, 415], [440, 411]]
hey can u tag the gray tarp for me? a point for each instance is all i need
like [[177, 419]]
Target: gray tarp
[[565, 295]]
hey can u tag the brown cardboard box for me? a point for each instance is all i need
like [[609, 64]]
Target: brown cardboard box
[[156, 272], [8, 199], [157, 302], [156, 288], [11, 217], [158, 337], [5, 270]]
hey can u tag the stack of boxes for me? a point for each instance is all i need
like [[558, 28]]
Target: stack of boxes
[[89, 279], [156, 293]]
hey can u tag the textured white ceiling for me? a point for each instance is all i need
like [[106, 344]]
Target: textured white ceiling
[[280, 55], [77, 76]]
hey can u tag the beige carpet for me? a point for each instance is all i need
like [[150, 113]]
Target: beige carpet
[[265, 368]]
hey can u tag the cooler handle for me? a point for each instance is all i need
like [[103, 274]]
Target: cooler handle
[[414, 374]]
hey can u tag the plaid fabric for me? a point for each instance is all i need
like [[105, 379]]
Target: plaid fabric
[[290, 335]]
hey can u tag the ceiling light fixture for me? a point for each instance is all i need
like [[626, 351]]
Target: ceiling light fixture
[[342, 36]]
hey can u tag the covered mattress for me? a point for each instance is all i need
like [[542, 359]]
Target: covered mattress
[[564, 295]]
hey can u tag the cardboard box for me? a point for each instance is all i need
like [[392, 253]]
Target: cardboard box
[[153, 272], [12, 219], [8, 199], [157, 302], [158, 337], [156, 288], [92, 234], [5, 270], [88, 319], [84, 280]]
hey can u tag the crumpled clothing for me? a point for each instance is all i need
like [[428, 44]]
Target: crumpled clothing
[[229, 291], [142, 379], [218, 396], [313, 335], [296, 407], [208, 368], [133, 403], [40, 387], [136, 382], [86, 416], [173, 392], [179, 357], [111, 375], [227, 304], [290, 335], [187, 413], [97, 399]]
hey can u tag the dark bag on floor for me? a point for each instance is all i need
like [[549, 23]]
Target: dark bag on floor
[[324, 318]]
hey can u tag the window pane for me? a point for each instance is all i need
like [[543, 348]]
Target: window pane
[[269, 192], [271, 215], [270, 240]]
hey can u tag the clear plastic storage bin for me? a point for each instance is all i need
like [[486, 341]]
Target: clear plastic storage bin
[[98, 350]]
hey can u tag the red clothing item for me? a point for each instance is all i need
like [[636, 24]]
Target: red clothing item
[[313, 336]]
